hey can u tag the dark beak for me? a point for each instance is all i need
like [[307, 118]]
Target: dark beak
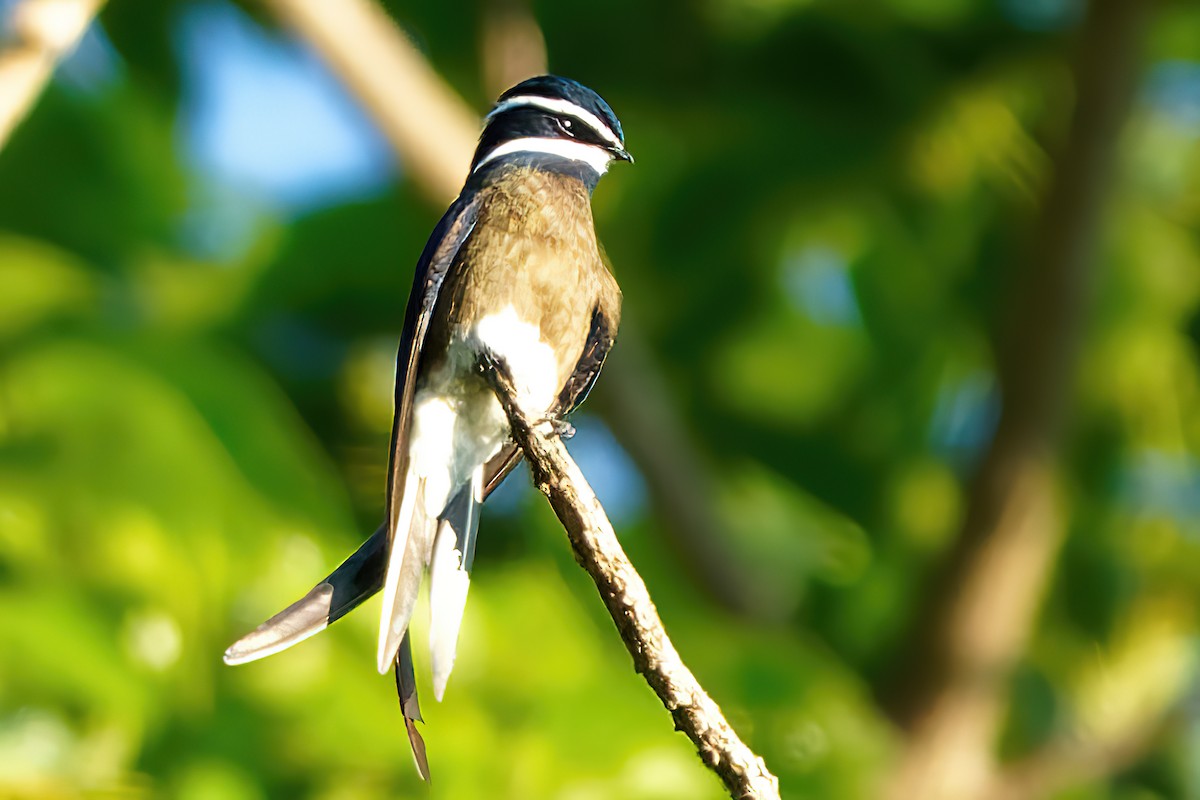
[[621, 154]]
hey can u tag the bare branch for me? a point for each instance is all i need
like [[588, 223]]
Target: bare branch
[[979, 617], [597, 550], [44, 32]]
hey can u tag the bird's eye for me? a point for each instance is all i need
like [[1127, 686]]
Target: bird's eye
[[565, 125]]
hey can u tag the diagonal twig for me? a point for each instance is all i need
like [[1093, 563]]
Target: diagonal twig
[[628, 601]]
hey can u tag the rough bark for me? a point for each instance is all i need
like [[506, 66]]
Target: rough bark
[[628, 601]]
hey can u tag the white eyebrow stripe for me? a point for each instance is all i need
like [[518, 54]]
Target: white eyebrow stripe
[[559, 106], [593, 155]]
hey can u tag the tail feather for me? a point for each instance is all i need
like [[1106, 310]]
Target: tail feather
[[449, 578], [406, 691], [359, 577], [407, 559]]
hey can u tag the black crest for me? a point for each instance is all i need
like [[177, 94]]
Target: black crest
[[571, 112], [554, 87]]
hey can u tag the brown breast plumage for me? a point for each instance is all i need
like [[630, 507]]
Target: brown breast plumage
[[533, 249]]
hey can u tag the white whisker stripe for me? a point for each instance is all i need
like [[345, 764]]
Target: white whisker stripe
[[559, 106], [594, 156]]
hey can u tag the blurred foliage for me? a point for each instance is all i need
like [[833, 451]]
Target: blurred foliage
[[828, 202]]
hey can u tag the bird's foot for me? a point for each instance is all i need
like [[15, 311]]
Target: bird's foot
[[555, 426], [496, 372]]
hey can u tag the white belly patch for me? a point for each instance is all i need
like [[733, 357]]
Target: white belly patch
[[531, 361], [457, 422]]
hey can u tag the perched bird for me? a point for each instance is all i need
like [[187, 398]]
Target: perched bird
[[513, 277]]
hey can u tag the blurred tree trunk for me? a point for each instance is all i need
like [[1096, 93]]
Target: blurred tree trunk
[[978, 617], [44, 31], [511, 45]]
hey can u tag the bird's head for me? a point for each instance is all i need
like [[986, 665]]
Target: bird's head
[[552, 116]]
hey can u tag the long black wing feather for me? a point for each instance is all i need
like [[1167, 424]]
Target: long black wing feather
[[600, 340], [439, 254], [363, 573]]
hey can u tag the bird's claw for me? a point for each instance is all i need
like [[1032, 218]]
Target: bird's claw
[[555, 426], [495, 372]]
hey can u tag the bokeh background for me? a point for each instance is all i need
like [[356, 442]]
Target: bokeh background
[[902, 429]]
